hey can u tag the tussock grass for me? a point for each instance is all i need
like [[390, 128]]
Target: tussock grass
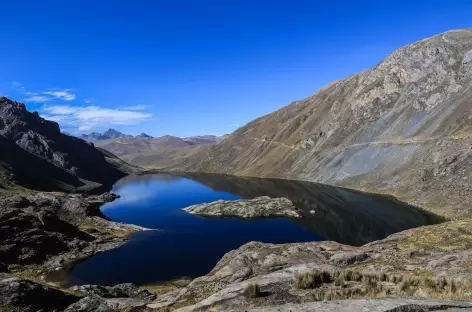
[[252, 291], [350, 284], [312, 279]]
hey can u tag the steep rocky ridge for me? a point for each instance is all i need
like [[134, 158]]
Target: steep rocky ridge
[[402, 127], [35, 154]]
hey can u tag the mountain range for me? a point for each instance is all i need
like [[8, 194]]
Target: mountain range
[[111, 134], [108, 135], [125, 145]]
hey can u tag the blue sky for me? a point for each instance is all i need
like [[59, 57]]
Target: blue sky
[[187, 67]]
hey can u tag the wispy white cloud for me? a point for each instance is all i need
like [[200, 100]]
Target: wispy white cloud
[[233, 125], [17, 85], [65, 95], [136, 107], [89, 101], [60, 109], [37, 98], [45, 96], [85, 128], [85, 118]]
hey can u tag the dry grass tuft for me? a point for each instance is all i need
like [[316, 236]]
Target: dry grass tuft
[[312, 279], [349, 284], [252, 291]]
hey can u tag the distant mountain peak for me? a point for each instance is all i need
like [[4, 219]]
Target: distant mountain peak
[[144, 135], [107, 135]]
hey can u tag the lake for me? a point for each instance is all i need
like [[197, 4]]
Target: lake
[[183, 245]]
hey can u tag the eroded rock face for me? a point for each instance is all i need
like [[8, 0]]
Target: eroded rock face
[[259, 207], [30, 235]]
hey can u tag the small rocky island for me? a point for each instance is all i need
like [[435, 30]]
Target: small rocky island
[[259, 207]]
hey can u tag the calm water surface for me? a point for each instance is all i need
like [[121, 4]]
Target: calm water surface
[[184, 245]]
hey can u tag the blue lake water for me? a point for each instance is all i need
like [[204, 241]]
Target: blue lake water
[[183, 245]]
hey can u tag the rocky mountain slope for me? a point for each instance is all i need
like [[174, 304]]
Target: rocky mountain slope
[[402, 127], [36, 155], [202, 139]]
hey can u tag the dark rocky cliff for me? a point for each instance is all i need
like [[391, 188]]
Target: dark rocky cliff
[[35, 154]]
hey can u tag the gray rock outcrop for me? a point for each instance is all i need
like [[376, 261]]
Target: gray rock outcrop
[[27, 296], [89, 304], [35, 227], [259, 207], [118, 291]]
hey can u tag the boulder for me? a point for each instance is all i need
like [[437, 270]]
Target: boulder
[[126, 290], [18, 202], [30, 296], [348, 258], [89, 304]]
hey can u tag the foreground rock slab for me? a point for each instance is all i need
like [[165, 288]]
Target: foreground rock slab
[[367, 305], [18, 294], [258, 207]]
